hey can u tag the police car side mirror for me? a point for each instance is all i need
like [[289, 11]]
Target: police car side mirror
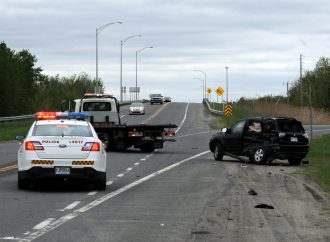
[[20, 137]]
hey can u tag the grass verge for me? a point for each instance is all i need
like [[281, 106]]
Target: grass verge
[[238, 113], [319, 167], [9, 130]]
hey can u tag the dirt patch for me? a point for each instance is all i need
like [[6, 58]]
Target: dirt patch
[[285, 208]]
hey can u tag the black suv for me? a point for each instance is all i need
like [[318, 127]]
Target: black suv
[[262, 140]]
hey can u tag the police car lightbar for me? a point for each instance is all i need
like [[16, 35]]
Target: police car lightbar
[[96, 95], [61, 115]]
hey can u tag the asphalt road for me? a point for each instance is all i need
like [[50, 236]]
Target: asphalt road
[[159, 196]]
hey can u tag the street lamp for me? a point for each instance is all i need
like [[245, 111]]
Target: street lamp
[[121, 62], [227, 84], [136, 55], [204, 81], [98, 30], [202, 84]]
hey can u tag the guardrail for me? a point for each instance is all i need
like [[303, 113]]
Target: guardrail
[[29, 116], [211, 109], [14, 118]]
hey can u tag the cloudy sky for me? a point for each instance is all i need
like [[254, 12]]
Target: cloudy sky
[[259, 40]]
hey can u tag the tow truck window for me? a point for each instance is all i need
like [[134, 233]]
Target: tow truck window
[[97, 106], [62, 130]]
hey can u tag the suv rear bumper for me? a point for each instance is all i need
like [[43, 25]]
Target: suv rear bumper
[[290, 151], [76, 174]]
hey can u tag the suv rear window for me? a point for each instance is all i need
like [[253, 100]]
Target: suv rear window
[[62, 130], [290, 126]]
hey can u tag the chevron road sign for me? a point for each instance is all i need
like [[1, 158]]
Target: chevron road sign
[[228, 110]]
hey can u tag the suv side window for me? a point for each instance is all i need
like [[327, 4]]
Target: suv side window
[[238, 127]]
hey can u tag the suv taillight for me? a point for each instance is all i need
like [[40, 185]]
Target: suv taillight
[[91, 146], [33, 145]]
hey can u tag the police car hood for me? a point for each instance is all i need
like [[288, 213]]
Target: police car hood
[[67, 147]]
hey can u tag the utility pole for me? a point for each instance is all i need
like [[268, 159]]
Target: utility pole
[[287, 92], [301, 83]]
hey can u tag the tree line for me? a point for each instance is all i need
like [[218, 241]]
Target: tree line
[[24, 89], [312, 89]]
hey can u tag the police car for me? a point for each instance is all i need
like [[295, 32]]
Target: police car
[[61, 146]]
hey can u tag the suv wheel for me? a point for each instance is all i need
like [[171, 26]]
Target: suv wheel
[[294, 161], [218, 152], [259, 156]]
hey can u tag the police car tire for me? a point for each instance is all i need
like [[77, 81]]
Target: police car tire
[[100, 185], [22, 184], [218, 152]]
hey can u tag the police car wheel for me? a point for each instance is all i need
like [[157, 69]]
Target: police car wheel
[[100, 185], [22, 184]]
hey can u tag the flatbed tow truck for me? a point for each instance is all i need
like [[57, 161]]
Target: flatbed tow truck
[[104, 115]]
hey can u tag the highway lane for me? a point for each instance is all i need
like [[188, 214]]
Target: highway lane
[[26, 209], [135, 207]]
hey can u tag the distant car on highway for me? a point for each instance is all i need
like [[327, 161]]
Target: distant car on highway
[[156, 98], [167, 99], [262, 140], [58, 148], [136, 108]]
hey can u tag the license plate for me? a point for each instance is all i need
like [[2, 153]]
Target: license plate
[[294, 139], [62, 170]]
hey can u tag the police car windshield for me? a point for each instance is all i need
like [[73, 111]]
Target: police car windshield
[[62, 130]]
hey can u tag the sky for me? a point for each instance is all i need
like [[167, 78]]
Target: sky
[[260, 42]]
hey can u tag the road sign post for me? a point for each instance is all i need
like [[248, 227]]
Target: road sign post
[[228, 111]]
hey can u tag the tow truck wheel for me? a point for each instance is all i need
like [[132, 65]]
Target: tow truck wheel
[[22, 184], [259, 156], [218, 152], [294, 161], [147, 148]]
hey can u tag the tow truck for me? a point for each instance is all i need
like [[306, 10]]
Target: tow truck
[[104, 115]]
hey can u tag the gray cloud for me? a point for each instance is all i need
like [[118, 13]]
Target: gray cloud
[[259, 40]]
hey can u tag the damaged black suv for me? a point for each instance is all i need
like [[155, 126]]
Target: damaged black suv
[[262, 140]]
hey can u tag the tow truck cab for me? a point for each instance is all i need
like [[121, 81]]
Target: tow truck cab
[[101, 108]]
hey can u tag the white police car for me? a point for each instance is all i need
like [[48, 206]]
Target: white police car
[[61, 148]]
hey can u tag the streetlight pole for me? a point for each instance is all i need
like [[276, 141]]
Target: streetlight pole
[[202, 84], [98, 30], [121, 62], [204, 73], [136, 55], [227, 84]]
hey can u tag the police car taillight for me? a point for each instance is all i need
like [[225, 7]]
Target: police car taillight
[[91, 146], [33, 145]]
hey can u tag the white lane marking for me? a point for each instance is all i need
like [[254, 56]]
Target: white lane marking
[[184, 119], [136, 163], [143, 159], [10, 238], [43, 224], [72, 205], [120, 175], [102, 199], [91, 193], [129, 169], [122, 116], [109, 183], [186, 135]]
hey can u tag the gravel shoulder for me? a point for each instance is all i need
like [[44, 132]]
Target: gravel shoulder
[[289, 207]]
